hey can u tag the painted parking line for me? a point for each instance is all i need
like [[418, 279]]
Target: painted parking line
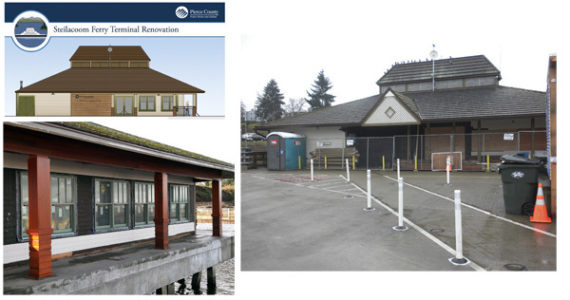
[[329, 184], [477, 209], [440, 243]]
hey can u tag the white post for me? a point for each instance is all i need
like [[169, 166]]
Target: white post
[[369, 191], [398, 166], [458, 259], [447, 167], [312, 177], [347, 171], [401, 226]]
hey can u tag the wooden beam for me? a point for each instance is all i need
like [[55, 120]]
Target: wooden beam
[[161, 219], [29, 142], [39, 204], [217, 207]]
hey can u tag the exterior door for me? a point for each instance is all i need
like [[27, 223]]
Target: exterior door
[[273, 153], [26, 106], [124, 105]]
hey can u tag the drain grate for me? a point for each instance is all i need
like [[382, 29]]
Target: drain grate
[[515, 267], [436, 230], [348, 197]]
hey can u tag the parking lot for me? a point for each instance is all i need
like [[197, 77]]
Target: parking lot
[[292, 223]]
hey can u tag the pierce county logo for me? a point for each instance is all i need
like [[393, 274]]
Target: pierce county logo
[[181, 12], [517, 174], [31, 31]]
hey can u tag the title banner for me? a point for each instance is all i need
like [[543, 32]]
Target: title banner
[[194, 12]]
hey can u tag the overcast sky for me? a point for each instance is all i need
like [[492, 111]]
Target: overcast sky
[[356, 42]]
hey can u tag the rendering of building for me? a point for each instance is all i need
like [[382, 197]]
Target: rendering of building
[[420, 119], [108, 81], [89, 209]]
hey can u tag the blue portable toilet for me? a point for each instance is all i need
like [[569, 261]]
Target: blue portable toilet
[[284, 150]]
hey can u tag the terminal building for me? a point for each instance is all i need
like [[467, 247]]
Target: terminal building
[[88, 209], [425, 111]]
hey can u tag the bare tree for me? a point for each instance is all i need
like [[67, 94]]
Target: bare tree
[[295, 106]]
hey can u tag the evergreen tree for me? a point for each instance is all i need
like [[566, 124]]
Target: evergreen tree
[[268, 105], [318, 97]]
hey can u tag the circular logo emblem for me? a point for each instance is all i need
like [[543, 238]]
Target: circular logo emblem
[[31, 31], [181, 12]]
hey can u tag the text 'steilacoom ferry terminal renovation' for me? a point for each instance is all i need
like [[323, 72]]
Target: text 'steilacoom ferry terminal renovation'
[[96, 200], [107, 81]]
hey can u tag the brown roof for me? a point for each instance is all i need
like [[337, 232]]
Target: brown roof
[[102, 53], [110, 80]]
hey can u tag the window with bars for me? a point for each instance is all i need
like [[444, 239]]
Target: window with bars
[[167, 103], [179, 203], [63, 203], [144, 203], [111, 203], [146, 103]]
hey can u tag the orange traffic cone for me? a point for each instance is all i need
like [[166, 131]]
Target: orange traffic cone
[[540, 215]]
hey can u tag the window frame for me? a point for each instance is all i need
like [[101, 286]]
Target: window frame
[[128, 210], [147, 96], [171, 103], [149, 218], [189, 204], [21, 235]]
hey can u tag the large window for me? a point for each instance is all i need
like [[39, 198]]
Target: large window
[[167, 103], [144, 203], [146, 103], [63, 203], [111, 203], [179, 203]]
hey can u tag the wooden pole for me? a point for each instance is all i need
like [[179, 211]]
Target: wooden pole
[[39, 204], [217, 207], [161, 219]]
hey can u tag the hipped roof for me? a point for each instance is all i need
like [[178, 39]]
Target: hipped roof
[[110, 80]]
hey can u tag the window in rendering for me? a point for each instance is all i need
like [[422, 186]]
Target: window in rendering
[[179, 203], [144, 203], [63, 203], [167, 103], [146, 103], [111, 203]]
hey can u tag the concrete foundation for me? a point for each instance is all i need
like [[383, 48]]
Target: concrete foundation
[[132, 270]]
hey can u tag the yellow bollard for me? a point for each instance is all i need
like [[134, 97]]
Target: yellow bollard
[[299, 159], [353, 163], [415, 163], [529, 155], [488, 164], [383, 163], [325, 162]]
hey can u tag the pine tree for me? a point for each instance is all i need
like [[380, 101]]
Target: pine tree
[[268, 105], [318, 97]]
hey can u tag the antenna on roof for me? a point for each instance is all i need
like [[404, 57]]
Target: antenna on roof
[[433, 55], [110, 49]]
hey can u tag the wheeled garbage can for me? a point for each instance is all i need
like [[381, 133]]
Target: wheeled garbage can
[[520, 181]]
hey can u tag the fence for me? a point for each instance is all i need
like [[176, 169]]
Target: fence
[[469, 152]]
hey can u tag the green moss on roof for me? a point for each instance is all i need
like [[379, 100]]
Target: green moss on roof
[[103, 131]]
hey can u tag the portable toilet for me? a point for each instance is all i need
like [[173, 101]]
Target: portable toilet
[[285, 151]]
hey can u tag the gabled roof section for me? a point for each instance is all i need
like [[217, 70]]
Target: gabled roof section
[[102, 53], [480, 102], [461, 67], [110, 80], [403, 111], [351, 113]]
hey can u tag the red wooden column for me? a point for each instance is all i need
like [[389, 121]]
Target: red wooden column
[[161, 210], [217, 207], [39, 205]]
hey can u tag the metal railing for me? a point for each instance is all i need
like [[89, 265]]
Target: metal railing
[[183, 110]]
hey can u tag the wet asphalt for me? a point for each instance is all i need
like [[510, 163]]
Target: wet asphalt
[[291, 223]]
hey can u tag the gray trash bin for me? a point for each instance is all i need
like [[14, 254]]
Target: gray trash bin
[[520, 182]]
